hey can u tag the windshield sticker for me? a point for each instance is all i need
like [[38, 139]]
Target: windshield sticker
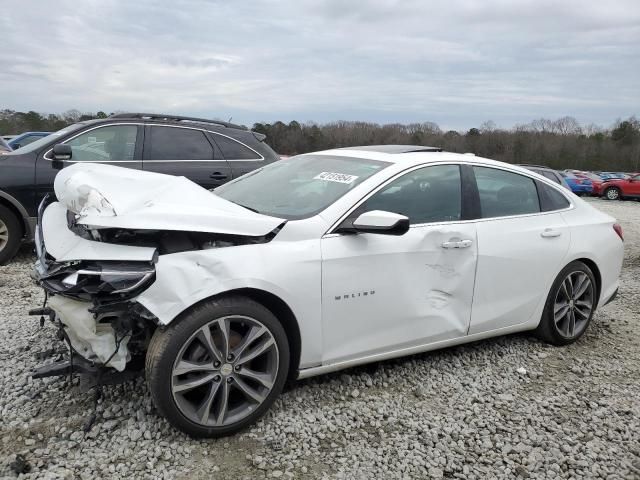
[[335, 177]]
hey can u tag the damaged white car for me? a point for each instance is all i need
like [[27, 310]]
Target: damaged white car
[[309, 265]]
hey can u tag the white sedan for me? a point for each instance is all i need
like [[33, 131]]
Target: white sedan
[[310, 265]]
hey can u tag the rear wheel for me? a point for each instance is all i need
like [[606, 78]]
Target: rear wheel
[[10, 234], [570, 305], [612, 193], [219, 368]]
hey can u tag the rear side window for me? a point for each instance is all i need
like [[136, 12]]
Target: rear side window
[[170, 143], [505, 193], [551, 176], [233, 150], [551, 199]]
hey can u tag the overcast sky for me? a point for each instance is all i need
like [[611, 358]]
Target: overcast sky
[[457, 63]]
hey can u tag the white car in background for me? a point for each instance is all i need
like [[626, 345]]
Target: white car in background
[[310, 265]]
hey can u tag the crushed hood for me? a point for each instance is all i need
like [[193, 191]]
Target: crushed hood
[[104, 196]]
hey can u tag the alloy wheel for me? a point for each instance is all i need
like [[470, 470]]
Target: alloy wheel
[[613, 194], [224, 371], [4, 235], [573, 304]]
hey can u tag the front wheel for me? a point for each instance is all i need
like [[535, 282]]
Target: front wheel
[[612, 193], [218, 368], [570, 305], [10, 234]]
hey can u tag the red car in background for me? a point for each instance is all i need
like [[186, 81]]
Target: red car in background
[[621, 188]]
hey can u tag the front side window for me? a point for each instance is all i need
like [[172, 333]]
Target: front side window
[[505, 193], [171, 143], [426, 195], [299, 187], [104, 144], [233, 150]]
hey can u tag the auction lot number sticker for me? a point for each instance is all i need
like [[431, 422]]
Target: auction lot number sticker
[[335, 177]]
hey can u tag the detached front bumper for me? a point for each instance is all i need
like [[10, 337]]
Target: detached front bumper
[[93, 301]]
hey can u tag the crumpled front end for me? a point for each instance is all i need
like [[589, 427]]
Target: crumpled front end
[[91, 288], [99, 244], [94, 340]]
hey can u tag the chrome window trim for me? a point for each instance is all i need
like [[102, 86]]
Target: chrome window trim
[[260, 159], [330, 233]]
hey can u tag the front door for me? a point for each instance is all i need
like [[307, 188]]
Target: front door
[[382, 292], [185, 152]]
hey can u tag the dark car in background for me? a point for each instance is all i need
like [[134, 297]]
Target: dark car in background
[[208, 152], [550, 173], [26, 138]]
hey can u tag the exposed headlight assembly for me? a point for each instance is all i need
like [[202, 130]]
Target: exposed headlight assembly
[[98, 279]]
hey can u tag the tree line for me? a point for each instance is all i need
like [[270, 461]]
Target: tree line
[[561, 143]]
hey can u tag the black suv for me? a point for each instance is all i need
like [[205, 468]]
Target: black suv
[[207, 152]]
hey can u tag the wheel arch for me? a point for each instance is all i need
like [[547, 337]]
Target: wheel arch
[[593, 266], [20, 212], [280, 309]]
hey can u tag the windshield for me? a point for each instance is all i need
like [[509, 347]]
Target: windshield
[[299, 187], [41, 142]]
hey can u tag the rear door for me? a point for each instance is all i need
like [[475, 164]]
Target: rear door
[[521, 247], [184, 151], [242, 158], [113, 144]]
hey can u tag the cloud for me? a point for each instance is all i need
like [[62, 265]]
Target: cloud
[[456, 63]]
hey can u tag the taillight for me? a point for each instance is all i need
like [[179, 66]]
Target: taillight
[[618, 230]]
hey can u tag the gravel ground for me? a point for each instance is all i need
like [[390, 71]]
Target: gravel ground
[[504, 408]]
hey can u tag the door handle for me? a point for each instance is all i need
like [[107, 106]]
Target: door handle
[[550, 233], [217, 176], [457, 244]]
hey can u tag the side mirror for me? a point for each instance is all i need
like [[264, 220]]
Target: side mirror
[[61, 153], [379, 221]]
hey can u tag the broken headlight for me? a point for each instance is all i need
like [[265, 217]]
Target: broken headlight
[[87, 280]]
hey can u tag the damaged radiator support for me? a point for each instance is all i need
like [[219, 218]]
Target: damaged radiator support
[[99, 372]]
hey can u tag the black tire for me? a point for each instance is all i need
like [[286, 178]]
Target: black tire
[[613, 193], [548, 329], [166, 347], [11, 234]]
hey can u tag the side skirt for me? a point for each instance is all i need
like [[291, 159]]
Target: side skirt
[[333, 367]]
